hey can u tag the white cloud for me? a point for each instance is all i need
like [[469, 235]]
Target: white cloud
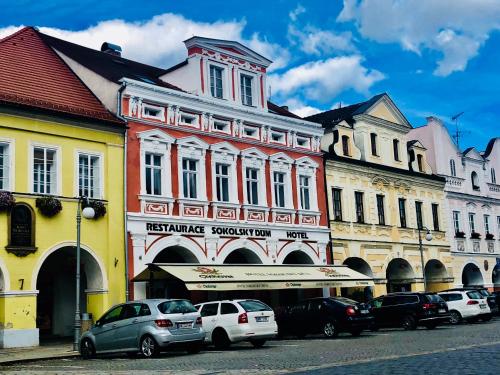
[[455, 28], [320, 80], [296, 12], [314, 41], [158, 41], [300, 108]]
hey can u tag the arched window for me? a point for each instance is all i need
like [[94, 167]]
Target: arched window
[[453, 169], [474, 180], [493, 176], [345, 145], [395, 147], [420, 162]]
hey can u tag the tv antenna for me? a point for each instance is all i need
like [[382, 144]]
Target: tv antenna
[[458, 133]]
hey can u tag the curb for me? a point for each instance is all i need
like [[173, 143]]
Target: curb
[[9, 362]]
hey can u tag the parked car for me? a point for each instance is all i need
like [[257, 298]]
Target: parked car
[[329, 316], [231, 321], [496, 295], [490, 298], [147, 326], [409, 310], [469, 305]]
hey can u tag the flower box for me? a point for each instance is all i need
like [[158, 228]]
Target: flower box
[[459, 234], [490, 236], [48, 206], [475, 236], [7, 201]]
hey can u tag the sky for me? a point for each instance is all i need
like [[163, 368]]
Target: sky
[[433, 57]]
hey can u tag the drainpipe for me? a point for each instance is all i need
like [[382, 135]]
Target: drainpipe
[[326, 291], [118, 114]]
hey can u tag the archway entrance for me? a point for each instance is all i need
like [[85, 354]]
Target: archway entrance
[[56, 285], [471, 276], [297, 257], [495, 277], [242, 256], [399, 276], [436, 275], [171, 288], [288, 296], [358, 294]]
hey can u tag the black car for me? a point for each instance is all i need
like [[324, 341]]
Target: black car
[[409, 310], [329, 316], [492, 300]]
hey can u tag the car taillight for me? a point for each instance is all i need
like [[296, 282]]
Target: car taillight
[[198, 321], [472, 302], [427, 306], [164, 323], [243, 318], [350, 311]]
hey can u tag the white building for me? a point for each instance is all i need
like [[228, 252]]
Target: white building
[[473, 201]]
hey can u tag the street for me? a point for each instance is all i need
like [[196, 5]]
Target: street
[[463, 349]]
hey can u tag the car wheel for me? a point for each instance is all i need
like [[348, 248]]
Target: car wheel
[[409, 323], [220, 339], [258, 343], [149, 347], [356, 332], [330, 330], [455, 317], [87, 349], [194, 348]]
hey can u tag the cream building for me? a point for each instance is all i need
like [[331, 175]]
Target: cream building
[[380, 187], [473, 197]]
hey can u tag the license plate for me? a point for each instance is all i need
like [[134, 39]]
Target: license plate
[[441, 311], [364, 311], [184, 325], [482, 306], [261, 319]]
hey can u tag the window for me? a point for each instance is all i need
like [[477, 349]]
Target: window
[[246, 89], [435, 216], [221, 126], [402, 212], [190, 178], [4, 167], [250, 131], [380, 209], [474, 180], [112, 316], [498, 225], [418, 211], [252, 181], [228, 308], [337, 204], [188, 119], [130, 311], [453, 169], [456, 221], [210, 309], [373, 139], [277, 137], [44, 171], [360, 215], [487, 223], [152, 112], [305, 197], [89, 176], [222, 182], [180, 306], [216, 81], [153, 174], [420, 162], [303, 142], [472, 224], [279, 189], [345, 145], [493, 176], [395, 149]]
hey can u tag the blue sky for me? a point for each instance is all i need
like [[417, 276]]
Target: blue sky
[[433, 57]]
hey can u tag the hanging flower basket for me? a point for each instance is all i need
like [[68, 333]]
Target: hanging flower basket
[[48, 206], [98, 206], [475, 235], [459, 234], [490, 236], [7, 201]]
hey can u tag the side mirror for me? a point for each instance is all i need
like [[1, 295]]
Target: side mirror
[[98, 323]]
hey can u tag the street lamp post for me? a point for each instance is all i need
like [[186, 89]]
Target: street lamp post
[[87, 213], [428, 237]]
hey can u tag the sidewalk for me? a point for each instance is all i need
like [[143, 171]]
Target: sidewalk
[[45, 351]]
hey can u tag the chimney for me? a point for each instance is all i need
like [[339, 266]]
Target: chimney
[[111, 48], [285, 107]]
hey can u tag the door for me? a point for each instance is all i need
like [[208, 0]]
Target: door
[[104, 331], [208, 314], [376, 309], [315, 315], [228, 319], [127, 327]]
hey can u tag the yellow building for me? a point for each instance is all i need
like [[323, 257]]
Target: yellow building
[[56, 140], [380, 191]]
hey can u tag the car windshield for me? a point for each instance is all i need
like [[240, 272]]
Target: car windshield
[[345, 301], [434, 298], [176, 307], [474, 295], [252, 306]]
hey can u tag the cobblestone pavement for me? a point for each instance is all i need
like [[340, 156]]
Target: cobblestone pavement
[[464, 349]]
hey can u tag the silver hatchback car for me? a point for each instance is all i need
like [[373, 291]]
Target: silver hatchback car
[[146, 326]]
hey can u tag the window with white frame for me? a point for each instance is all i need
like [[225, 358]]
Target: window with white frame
[[216, 82], [4, 167], [281, 171], [44, 170], [89, 176], [251, 132], [303, 142], [188, 119], [456, 221], [246, 89], [277, 137], [252, 185], [279, 189], [253, 163], [153, 112], [191, 158], [190, 178], [305, 194], [486, 223], [221, 126], [153, 173], [472, 222], [222, 182]]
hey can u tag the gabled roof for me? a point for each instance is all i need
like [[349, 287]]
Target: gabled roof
[[332, 117], [471, 152], [33, 76], [274, 108]]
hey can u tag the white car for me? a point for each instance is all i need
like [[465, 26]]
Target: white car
[[469, 305], [231, 321]]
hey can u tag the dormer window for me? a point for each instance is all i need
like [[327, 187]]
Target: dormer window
[[420, 162], [345, 145], [277, 137], [188, 119], [152, 112], [216, 81], [475, 181], [246, 90], [250, 132], [221, 126], [303, 142]]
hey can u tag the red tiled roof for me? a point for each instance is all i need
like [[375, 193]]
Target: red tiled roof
[[33, 75]]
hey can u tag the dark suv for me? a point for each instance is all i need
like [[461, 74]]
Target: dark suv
[[329, 316], [409, 310]]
